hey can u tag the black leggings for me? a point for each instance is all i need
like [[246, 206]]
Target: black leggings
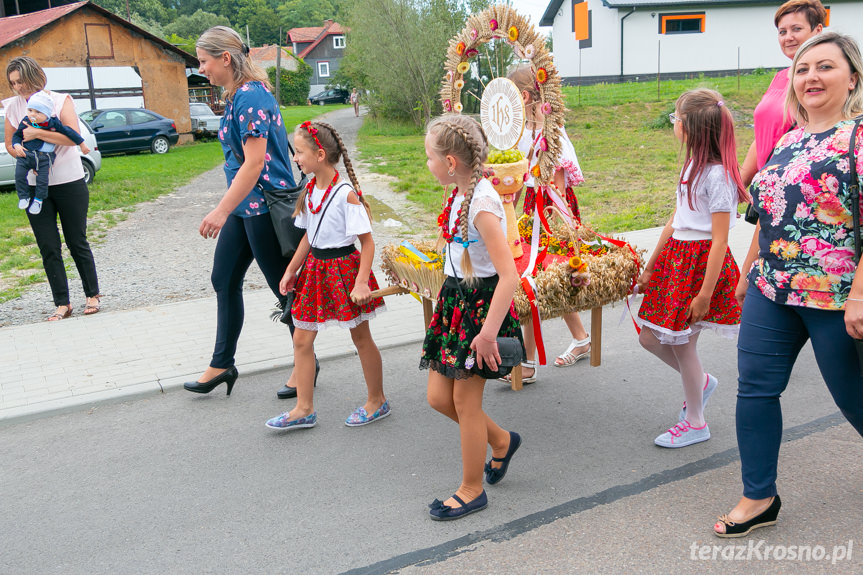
[[70, 201], [241, 241]]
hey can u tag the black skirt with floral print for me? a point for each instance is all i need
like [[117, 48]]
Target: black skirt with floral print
[[446, 348]]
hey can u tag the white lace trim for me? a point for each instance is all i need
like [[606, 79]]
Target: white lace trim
[[671, 337], [484, 203], [350, 324]]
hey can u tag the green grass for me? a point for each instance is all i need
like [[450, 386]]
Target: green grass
[[123, 182], [621, 133], [295, 115]]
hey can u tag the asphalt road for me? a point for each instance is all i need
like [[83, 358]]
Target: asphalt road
[[182, 483]]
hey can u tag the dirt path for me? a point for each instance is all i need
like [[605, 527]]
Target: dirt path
[[156, 255]]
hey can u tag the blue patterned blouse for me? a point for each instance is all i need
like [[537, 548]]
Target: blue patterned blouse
[[253, 113]]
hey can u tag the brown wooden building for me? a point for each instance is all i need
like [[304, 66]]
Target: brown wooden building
[[101, 58]]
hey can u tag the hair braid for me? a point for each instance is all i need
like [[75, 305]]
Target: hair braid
[[349, 167], [475, 176]]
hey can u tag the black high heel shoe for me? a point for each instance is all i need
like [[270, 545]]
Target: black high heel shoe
[[228, 376], [287, 392], [763, 519]]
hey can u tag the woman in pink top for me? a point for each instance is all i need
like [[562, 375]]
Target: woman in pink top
[[796, 21], [68, 195]]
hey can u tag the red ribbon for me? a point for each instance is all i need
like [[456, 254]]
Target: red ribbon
[[535, 319]]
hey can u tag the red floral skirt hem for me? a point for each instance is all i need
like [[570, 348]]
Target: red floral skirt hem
[[323, 294], [677, 278]]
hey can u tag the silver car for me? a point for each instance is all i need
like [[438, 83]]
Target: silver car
[[204, 121], [91, 162]]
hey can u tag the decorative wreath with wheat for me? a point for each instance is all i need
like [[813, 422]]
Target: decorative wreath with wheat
[[595, 270], [504, 23]]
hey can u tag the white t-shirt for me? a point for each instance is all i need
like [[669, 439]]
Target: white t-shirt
[[715, 192], [485, 199], [67, 166], [342, 223], [568, 161]]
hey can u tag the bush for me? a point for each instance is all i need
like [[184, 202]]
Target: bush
[[294, 86]]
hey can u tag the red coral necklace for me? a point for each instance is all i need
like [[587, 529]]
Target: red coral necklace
[[310, 187], [443, 219]]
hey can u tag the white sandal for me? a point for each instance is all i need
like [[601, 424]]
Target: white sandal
[[524, 380], [567, 358]]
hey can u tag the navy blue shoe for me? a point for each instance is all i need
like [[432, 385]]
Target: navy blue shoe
[[494, 475], [441, 512]]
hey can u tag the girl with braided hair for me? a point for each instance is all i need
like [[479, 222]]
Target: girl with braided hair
[[480, 266], [336, 281], [566, 177]]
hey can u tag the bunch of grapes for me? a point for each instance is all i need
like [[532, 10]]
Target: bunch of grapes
[[496, 156]]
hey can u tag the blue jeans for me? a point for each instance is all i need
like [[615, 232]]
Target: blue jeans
[[771, 336], [241, 241], [41, 162]]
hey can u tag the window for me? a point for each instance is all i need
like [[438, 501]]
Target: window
[[338, 42], [323, 69], [113, 119], [138, 117], [681, 23]]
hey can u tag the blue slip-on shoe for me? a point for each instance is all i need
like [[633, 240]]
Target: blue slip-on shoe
[[35, 207], [709, 388], [23, 204], [440, 512], [494, 475], [284, 424], [361, 417]]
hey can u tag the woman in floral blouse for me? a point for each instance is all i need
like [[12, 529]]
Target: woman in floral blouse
[[255, 145], [803, 282]]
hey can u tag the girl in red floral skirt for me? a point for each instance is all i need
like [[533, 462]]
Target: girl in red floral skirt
[[477, 295], [567, 175], [689, 281], [335, 285]]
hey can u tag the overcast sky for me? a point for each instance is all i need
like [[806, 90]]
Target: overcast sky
[[533, 8]]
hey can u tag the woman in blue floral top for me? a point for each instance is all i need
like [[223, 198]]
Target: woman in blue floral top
[[802, 282], [255, 145]]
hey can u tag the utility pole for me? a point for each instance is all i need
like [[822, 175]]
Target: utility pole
[[279, 68]]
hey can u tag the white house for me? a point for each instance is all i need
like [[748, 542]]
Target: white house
[[599, 40]]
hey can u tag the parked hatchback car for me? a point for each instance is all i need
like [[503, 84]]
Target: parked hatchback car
[[331, 96], [131, 130], [91, 162], [204, 121]]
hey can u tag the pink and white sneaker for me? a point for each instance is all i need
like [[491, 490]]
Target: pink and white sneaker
[[683, 434]]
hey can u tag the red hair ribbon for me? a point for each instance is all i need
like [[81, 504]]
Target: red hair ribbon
[[312, 131]]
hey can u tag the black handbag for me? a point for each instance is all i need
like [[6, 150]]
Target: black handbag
[[281, 203], [510, 349]]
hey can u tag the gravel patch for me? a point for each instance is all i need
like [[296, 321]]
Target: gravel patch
[[156, 255]]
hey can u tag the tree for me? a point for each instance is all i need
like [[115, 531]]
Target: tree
[[400, 46], [294, 88], [193, 25], [261, 19], [146, 10], [303, 13]]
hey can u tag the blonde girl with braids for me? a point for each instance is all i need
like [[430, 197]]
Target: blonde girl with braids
[[566, 177], [477, 255], [336, 281]]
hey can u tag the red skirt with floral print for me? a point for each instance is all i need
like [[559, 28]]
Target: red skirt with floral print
[[569, 196], [323, 294], [677, 278]]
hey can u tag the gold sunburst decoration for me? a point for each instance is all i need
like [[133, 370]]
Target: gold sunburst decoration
[[502, 22]]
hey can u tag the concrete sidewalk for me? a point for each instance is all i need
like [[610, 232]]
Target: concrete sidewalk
[[56, 366]]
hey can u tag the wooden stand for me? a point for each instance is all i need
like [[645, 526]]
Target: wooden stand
[[516, 383]]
